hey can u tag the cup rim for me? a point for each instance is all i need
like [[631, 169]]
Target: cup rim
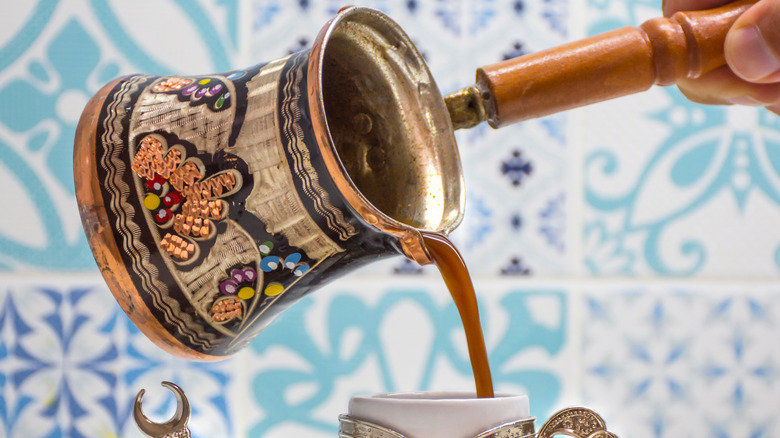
[[436, 396]]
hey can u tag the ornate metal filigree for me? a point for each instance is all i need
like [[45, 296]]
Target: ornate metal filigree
[[577, 423], [350, 427]]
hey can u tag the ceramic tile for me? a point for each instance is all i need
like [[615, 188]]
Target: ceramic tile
[[399, 335], [665, 178], [516, 177], [281, 27], [683, 360], [71, 364], [53, 56], [516, 211]]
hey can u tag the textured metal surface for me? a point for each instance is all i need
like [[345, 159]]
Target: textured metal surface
[[350, 427], [176, 427], [388, 122], [284, 171], [466, 107], [577, 423]]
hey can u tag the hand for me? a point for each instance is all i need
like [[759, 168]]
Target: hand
[[752, 49]]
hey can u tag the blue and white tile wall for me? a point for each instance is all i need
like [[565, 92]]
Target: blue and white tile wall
[[625, 254], [676, 189]]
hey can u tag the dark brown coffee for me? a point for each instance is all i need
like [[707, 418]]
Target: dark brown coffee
[[456, 276]]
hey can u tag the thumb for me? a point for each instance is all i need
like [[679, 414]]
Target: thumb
[[752, 46]]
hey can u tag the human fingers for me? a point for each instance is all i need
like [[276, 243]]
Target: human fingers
[[672, 6], [752, 46], [723, 87]]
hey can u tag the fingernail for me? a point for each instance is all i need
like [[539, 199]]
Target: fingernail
[[749, 55]]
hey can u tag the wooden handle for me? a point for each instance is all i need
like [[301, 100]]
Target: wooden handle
[[659, 52]]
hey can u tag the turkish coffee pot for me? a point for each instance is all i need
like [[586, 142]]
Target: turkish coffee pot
[[213, 202]]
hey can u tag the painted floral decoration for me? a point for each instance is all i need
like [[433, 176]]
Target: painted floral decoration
[[274, 263], [197, 91], [178, 196], [237, 289], [241, 283], [270, 263]]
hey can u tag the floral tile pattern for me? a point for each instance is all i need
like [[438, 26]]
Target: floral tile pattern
[[687, 361], [71, 364], [517, 177], [516, 209], [54, 55], [664, 178]]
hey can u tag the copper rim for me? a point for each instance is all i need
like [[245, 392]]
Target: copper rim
[[411, 240]]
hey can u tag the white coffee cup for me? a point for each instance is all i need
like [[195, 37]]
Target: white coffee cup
[[439, 414]]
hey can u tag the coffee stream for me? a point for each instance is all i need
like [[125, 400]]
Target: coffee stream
[[456, 276]]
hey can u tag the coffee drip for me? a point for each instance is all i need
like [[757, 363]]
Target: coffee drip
[[456, 275]]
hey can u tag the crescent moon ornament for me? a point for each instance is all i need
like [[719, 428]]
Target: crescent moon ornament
[[176, 427]]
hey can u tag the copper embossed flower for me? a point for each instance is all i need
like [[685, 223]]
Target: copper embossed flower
[[178, 196]]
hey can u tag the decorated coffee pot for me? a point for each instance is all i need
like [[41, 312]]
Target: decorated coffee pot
[[213, 202]]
